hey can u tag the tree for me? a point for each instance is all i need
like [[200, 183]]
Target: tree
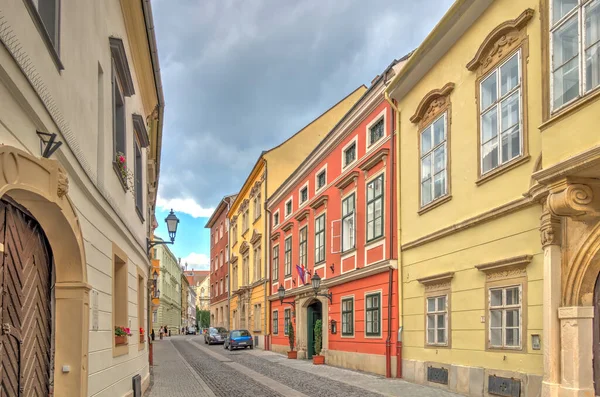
[[203, 318]]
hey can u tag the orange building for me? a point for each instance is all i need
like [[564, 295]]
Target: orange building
[[335, 216]]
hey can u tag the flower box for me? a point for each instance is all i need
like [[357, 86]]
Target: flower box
[[121, 340], [121, 334], [142, 338]]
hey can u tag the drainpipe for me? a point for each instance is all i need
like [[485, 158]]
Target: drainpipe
[[266, 261], [395, 153], [229, 259]]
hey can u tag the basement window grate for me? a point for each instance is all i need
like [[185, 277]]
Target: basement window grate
[[508, 387], [437, 375], [137, 386]]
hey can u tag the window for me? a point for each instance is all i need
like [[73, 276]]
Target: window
[[505, 317], [375, 208], [275, 320], [373, 314], [321, 179], [275, 262], [120, 316], [48, 12], [257, 207], [245, 221], [221, 287], [212, 265], [288, 256], [376, 132], [221, 230], [286, 320], [234, 235], [437, 320], [257, 263], [245, 270], [276, 218], [257, 317], [119, 129], [138, 175], [433, 161], [348, 317], [574, 31], [350, 154], [348, 223], [320, 239], [500, 120], [288, 208], [303, 248], [227, 283], [227, 253], [155, 316], [303, 194]]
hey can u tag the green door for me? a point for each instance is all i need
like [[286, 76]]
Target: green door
[[313, 314]]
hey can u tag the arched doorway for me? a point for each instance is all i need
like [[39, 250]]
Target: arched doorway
[[26, 315], [313, 313]]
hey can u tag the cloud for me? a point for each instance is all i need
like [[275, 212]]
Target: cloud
[[188, 206], [242, 76], [196, 261]]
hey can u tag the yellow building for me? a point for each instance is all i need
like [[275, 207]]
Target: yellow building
[[472, 266], [249, 256]]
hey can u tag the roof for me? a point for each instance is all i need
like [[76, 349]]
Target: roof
[[225, 201], [196, 276]]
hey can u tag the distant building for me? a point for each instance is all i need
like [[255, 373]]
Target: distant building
[[169, 284], [200, 281]]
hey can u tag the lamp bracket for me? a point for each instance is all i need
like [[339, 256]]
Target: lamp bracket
[[328, 296], [150, 244], [48, 143]]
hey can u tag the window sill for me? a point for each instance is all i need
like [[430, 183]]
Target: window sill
[[139, 212], [119, 176], [374, 240], [373, 336], [256, 221], [432, 346], [435, 203], [571, 108], [506, 349], [351, 336], [320, 263], [502, 169]]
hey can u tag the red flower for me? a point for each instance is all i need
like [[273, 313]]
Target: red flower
[[121, 159]]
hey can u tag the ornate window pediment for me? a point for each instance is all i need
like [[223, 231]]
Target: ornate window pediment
[[244, 247], [434, 103], [255, 189], [256, 237]]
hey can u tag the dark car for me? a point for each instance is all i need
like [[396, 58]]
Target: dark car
[[238, 338], [215, 335]]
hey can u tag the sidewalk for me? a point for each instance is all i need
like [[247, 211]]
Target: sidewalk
[[173, 377]]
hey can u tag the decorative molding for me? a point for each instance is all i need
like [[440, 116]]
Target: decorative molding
[[487, 216], [256, 237], [275, 235], [140, 131], [506, 268], [435, 203], [62, 183], [255, 189], [503, 39], [234, 219], [288, 226], [432, 104], [572, 165], [244, 247], [322, 200], [347, 180], [380, 155], [550, 228], [575, 197], [119, 55], [302, 214], [437, 282]]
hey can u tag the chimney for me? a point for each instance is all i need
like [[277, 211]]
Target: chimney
[[373, 81]]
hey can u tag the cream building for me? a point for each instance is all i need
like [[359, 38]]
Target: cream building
[[169, 284], [88, 73]]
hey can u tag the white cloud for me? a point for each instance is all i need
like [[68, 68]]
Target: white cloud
[[196, 261], [188, 206]]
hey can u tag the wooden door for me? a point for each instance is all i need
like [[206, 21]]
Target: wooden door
[[25, 302]]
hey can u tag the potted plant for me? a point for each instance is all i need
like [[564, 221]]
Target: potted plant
[[292, 353], [317, 358], [127, 176], [121, 334], [141, 335]]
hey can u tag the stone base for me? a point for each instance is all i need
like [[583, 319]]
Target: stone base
[[373, 363], [470, 381]]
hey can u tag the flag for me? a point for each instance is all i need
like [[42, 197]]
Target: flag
[[300, 271]]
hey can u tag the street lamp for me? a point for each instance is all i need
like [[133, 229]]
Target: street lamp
[[316, 284], [281, 294], [172, 222], [154, 283]]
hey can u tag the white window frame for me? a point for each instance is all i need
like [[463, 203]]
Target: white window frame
[[435, 313], [346, 298], [300, 202], [275, 263], [278, 217], [367, 202], [287, 262], [285, 207], [347, 146], [498, 104], [286, 321], [381, 116], [321, 170], [324, 231], [367, 294], [578, 10], [303, 246], [351, 215], [504, 308], [431, 153]]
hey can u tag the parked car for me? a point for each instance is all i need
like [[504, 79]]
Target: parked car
[[191, 330], [238, 338], [215, 335]]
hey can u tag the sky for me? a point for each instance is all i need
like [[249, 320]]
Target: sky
[[241, 76]]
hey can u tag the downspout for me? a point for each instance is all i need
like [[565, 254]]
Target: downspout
[[228, 262], [396, 153], [266, 256]]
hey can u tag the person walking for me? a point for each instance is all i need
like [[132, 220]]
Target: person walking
[[162, 331], [152, 334]]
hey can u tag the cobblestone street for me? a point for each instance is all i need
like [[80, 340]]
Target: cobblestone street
[[185, 366]]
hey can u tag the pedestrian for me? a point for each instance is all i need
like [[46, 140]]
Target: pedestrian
[[169, 332], [162, 331], [152, 334]]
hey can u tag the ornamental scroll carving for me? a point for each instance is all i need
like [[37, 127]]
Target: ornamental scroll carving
[[63, 183], [550, 228], [434, 103], [575, 198]]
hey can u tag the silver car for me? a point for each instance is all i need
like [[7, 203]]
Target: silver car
[[215, 335]]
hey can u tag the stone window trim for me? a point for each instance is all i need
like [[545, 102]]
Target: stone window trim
[[438, 285], [318, 259], [287, 318], [289, 213], [276, 218], [275, 321], [504, 273], [350, 214], [138, 170], [379, 310], [351, 314], [301, 203], [141, 308], [119, 55], [139, 127], [433, 105], [287, 257], [503, 42], [275, 263], [303, 246], [371, 179], [381, 116], [53, 48], [352, 143], [120, 307], [317, 174]]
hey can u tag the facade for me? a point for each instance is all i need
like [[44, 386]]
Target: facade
[[169, 285], [87, 219], [334, 216], [185, 294], [219, 263], [191, 314], [200, 282], [249, 281]]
